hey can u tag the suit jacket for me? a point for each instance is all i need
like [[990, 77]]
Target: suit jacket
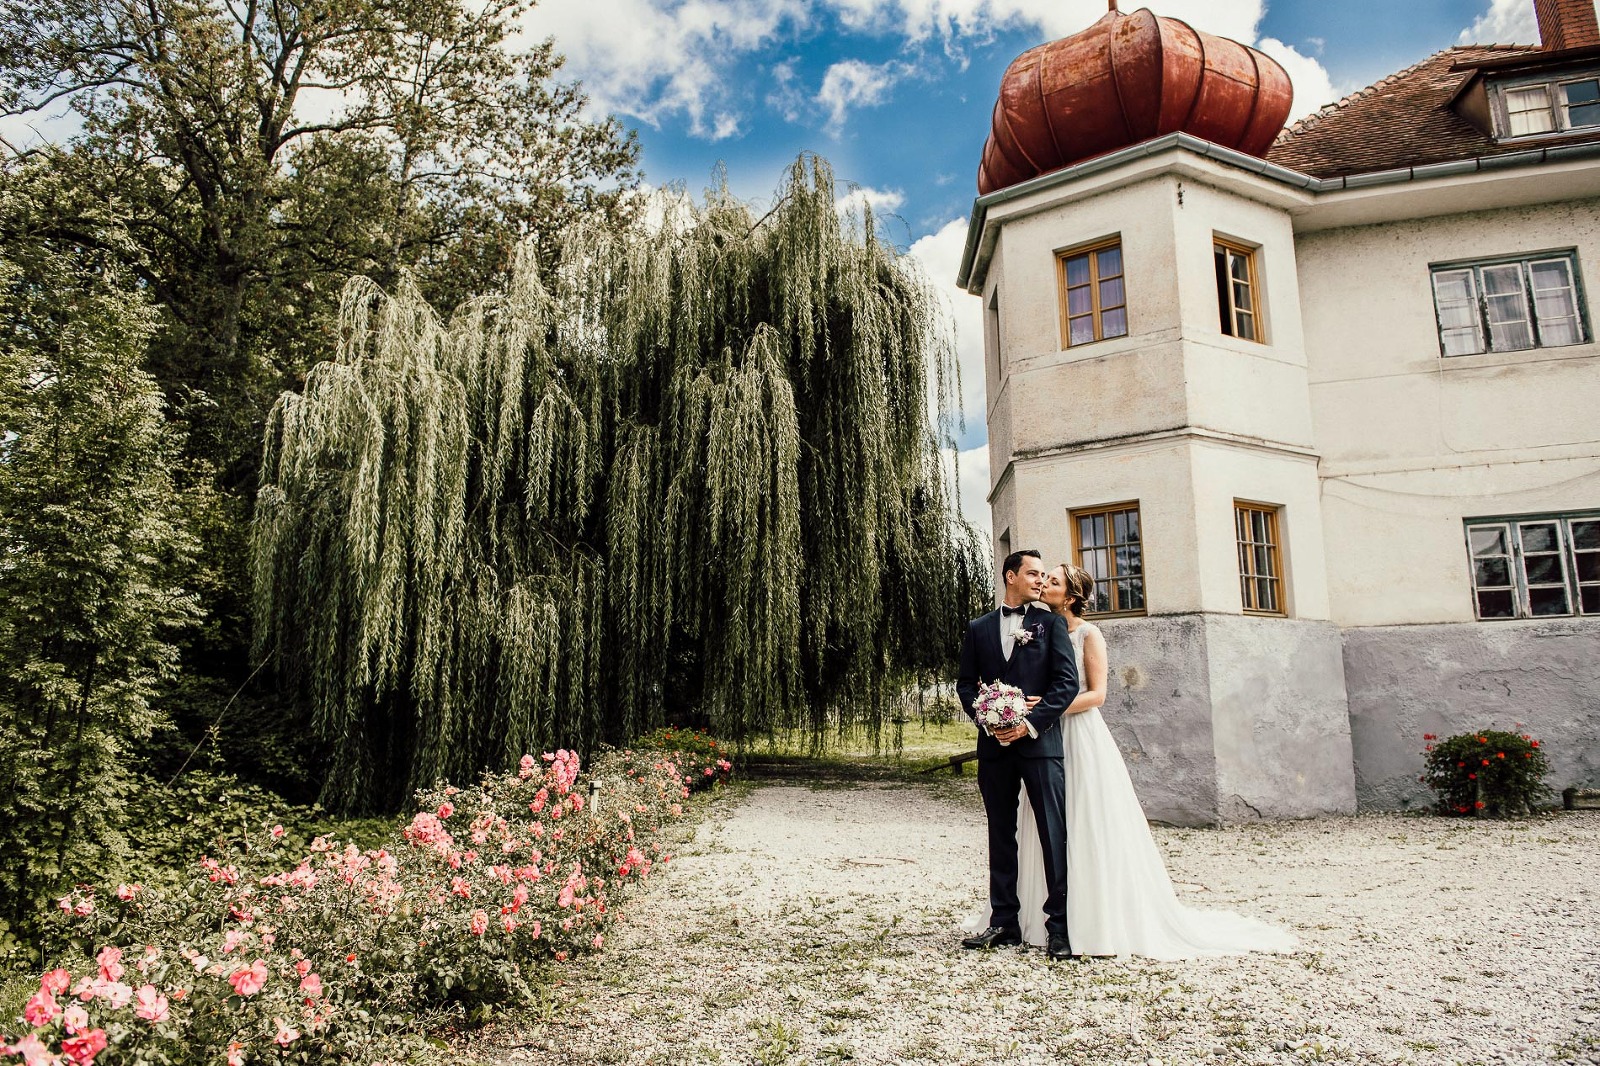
[[1044, 667]]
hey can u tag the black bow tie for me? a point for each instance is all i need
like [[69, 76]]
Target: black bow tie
[[1007, 611]]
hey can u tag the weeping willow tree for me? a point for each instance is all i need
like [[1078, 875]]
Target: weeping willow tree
[[688, 471]]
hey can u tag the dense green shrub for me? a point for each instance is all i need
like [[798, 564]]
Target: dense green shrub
[[1487, 772], [331, 953]]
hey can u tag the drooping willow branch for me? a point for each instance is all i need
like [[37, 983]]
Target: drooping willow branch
[[688, 472]]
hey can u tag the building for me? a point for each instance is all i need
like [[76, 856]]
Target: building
[[1322, 413]]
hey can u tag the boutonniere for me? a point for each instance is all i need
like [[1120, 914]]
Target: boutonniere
[[1026, 634]]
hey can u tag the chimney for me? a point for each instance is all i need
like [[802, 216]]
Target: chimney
[[1567, 24]]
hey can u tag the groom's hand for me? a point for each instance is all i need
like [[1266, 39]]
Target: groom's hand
[[1011, 735]]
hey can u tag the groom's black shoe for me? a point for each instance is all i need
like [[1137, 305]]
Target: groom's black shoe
[[996, 936], [1060, 947]]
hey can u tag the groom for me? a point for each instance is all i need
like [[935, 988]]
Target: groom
[[1027, 647]]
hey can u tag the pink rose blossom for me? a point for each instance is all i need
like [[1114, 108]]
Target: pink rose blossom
[[82, 1049], [277, 832], [42, 1009], [75, 1019], [480, 923], [84, 908], [126, 892], [32, 1050], [286, 1033], [247, 980], [599, 938], [311, 985], [460, 887], [236, 1054], [56, 981], [535, 929], [152, 1004], [302, 967], [446, 809], [115, 993]]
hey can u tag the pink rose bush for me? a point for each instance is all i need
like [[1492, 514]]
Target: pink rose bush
[[335, 953]]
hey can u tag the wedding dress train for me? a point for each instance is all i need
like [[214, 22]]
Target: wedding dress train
[[1120, 900]]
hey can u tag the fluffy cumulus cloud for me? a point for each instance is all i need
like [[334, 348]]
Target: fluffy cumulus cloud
[[653, 60], [657, 60], [882, 201], [968, 471], [851, 84], [1312, 86], [938, 255], [1506, 22]]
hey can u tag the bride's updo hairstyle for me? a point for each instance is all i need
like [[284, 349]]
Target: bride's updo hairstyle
[[1080, 587]]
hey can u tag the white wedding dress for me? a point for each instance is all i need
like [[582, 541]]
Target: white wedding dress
[[1120, 900]]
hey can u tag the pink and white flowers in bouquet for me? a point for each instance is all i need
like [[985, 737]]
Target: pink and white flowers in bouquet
[[999, 706]]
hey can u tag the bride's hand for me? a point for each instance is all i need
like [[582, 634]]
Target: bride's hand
[[1033, 701]]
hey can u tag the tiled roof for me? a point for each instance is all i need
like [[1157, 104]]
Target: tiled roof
[[1402, 121]]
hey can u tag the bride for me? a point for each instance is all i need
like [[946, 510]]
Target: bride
[[1120, 900]]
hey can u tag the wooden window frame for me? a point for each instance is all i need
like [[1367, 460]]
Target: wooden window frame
[[1078, 548], [1556, 105], [1567, 551], [1252, 267], [1482, 325], [1558, 97], [1248, 590], [1096, 310]]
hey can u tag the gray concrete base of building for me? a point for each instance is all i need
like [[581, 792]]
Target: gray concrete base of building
[[1225, 718], [1404, 681]]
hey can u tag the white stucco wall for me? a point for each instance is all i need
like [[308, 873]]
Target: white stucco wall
[[1413, 442], [1177, 415]]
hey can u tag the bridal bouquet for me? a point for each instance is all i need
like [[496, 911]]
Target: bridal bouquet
[[999, 706]]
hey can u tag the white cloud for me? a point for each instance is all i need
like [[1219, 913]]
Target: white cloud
[[652, 59], [1506, 22], [1312, 86], [939, 255], [969, 472], [657, 59], [851, 83], [882, 201]]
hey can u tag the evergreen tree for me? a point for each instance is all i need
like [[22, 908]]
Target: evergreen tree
[[694, 474], [93, 550]]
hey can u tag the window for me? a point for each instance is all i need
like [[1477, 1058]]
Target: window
[[1509, 306], [1528, 111], [1535, 567], [1260, 557], [1237, 304], [1094, 300], [1551, 107], [1107, 542]]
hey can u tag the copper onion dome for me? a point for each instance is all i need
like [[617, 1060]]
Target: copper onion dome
[[1126, 79]]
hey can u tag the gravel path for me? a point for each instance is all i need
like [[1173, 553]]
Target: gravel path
[[817, 923]]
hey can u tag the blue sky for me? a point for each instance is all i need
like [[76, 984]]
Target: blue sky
[[897, 94]]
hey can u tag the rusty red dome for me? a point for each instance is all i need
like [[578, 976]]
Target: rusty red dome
[[1126, 79]]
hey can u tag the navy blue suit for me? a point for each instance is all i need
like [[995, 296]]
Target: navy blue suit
[[1044, 666]]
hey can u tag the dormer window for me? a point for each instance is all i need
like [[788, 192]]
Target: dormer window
[[1550, 107]]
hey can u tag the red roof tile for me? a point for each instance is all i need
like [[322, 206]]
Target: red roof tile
[[1402, 121]]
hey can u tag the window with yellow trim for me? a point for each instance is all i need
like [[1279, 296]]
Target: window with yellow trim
[[1094, 298]]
